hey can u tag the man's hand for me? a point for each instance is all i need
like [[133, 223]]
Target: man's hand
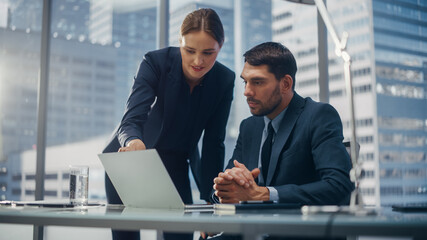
[[237, 184], [230, 192], [240, 174], [133, 145]]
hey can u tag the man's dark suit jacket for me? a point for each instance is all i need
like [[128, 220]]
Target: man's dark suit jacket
[[158, 79], [309, 163]]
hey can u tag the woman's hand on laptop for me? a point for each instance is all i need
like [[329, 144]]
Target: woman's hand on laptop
[[133, 145]]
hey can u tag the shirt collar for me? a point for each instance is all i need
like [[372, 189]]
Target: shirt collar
[[276, 121]]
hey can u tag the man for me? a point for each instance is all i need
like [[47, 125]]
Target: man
[[291, 149]]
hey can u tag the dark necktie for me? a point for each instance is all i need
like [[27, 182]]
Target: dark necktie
[[266, 152]]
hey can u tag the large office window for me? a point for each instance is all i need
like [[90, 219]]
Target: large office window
[[96, 47], [20, 25]]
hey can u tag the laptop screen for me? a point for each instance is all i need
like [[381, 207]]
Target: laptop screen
[[141, 179]]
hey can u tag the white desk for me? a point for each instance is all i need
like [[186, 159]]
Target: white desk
[[252, 225]]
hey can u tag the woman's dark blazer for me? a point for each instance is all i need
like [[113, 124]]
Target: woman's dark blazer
[[157, 81]]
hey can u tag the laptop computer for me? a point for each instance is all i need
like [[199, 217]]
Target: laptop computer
[[142, 181]]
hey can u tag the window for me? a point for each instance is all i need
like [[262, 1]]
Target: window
[[365, 139], [401, 123], [19, 67], [391, 173], [415, 173], [399, 73], [366, 157], [361, 72], [306, 83], [336, 93], [93, 59], [367, 191], [3, 187], [396, 10], [362, 89], [368, 174], [401, 140], [403, 156], [309, 52], [391, 191], [404, 59], [416, 190], [399, 90], [3, 171]]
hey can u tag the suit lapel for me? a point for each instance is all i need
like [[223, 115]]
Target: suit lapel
[[209, 93], [292, 113], [173, 87], [255, 143]]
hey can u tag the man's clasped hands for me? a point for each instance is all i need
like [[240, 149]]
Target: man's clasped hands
[[238, 184]]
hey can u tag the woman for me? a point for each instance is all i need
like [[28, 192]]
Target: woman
[[191, 93]]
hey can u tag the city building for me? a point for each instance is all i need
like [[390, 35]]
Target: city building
[[25, 14], [81, 84], [134, 34], [388, 45], [253, 25], [96, 48]]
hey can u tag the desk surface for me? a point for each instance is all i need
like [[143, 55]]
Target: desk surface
[[248, 223]]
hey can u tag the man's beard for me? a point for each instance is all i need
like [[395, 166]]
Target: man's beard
[[271, 106]]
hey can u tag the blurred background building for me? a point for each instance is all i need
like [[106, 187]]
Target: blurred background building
[[96, 48], [388, 45]]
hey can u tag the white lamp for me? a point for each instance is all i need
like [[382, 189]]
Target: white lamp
[[356, 203]]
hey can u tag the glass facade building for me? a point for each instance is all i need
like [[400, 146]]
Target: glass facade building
[[97, 45], [400, 41], [387, 44], [89, 80]]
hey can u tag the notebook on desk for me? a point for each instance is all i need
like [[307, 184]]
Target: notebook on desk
[[141, 180]]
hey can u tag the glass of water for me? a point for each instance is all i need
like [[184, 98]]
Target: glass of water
[[79, 185]]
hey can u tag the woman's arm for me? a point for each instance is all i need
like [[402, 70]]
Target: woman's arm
[[139, 103]]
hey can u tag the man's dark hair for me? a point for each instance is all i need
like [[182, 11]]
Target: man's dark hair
[[277, 57]]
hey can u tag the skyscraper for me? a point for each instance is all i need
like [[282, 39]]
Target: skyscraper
[[134, 33], [26, 14], [81, 86], [400, 41], [253, 21], [88, 83], [71, 18], [100, 21], [388, 47]]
